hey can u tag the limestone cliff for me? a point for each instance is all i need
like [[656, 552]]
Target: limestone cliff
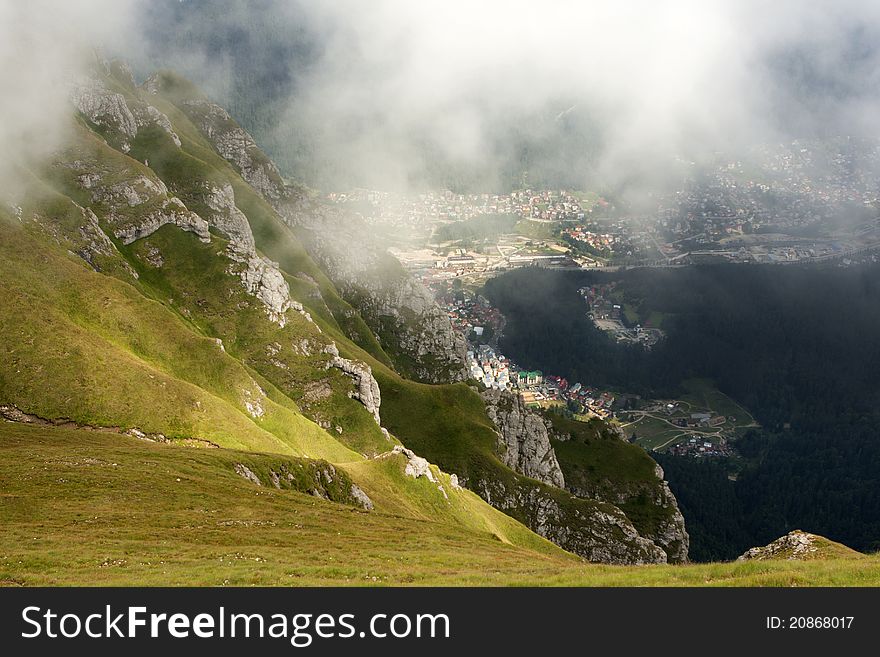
[[524, 444], [597, 531]]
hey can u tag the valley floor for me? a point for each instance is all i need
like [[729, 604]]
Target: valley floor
[[81, 507]]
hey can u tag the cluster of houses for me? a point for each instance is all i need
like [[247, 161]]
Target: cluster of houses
[[491, 369], [698, 447], [608, 316], [584, 400], [398, 210], [796, 184], [496, 371], [471, 316], [597, 241], [554, 206], [470, 313]]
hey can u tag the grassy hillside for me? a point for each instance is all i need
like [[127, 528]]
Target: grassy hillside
[[96, 351], [84, 507], [136, 364]]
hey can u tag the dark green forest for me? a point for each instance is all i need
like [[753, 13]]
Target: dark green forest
[[798, 346]]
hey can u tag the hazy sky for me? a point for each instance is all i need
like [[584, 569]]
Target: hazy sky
[[657, 78], [44, 45], [382, 89]]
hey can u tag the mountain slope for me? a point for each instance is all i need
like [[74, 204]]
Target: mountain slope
[[150, 289]]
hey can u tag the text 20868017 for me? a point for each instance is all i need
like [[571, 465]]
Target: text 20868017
[[809, 622]]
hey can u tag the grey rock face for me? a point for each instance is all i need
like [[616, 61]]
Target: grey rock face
[[226, 217], [324, 481], [396, 306], [95, 242], [105, 108], [608, 536], [361, 497], [111, 110], [416, 466], [671, 534], [422, 331], [172, 211], [152, 115], [237, 146], [366, 388], [243, 471], [155, 207], [524, 441], [262, 278], [125, 116], [598, 532]]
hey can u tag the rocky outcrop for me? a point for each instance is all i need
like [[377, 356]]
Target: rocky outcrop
[[106, 109], [243, 471], [88, 241], [667, 528], [410, 326], [596, 531], [260, 276], [135, 205], [226, 217], [399, 309], [524, 443], [361, 497], [171, 211], [95, 240], [416, 466], [627, 478], [317, 478], [262, 279], [796, 545], [671, 533], [139, 205], [366, 388], [116, 114], [234, 144], [799, 545]]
